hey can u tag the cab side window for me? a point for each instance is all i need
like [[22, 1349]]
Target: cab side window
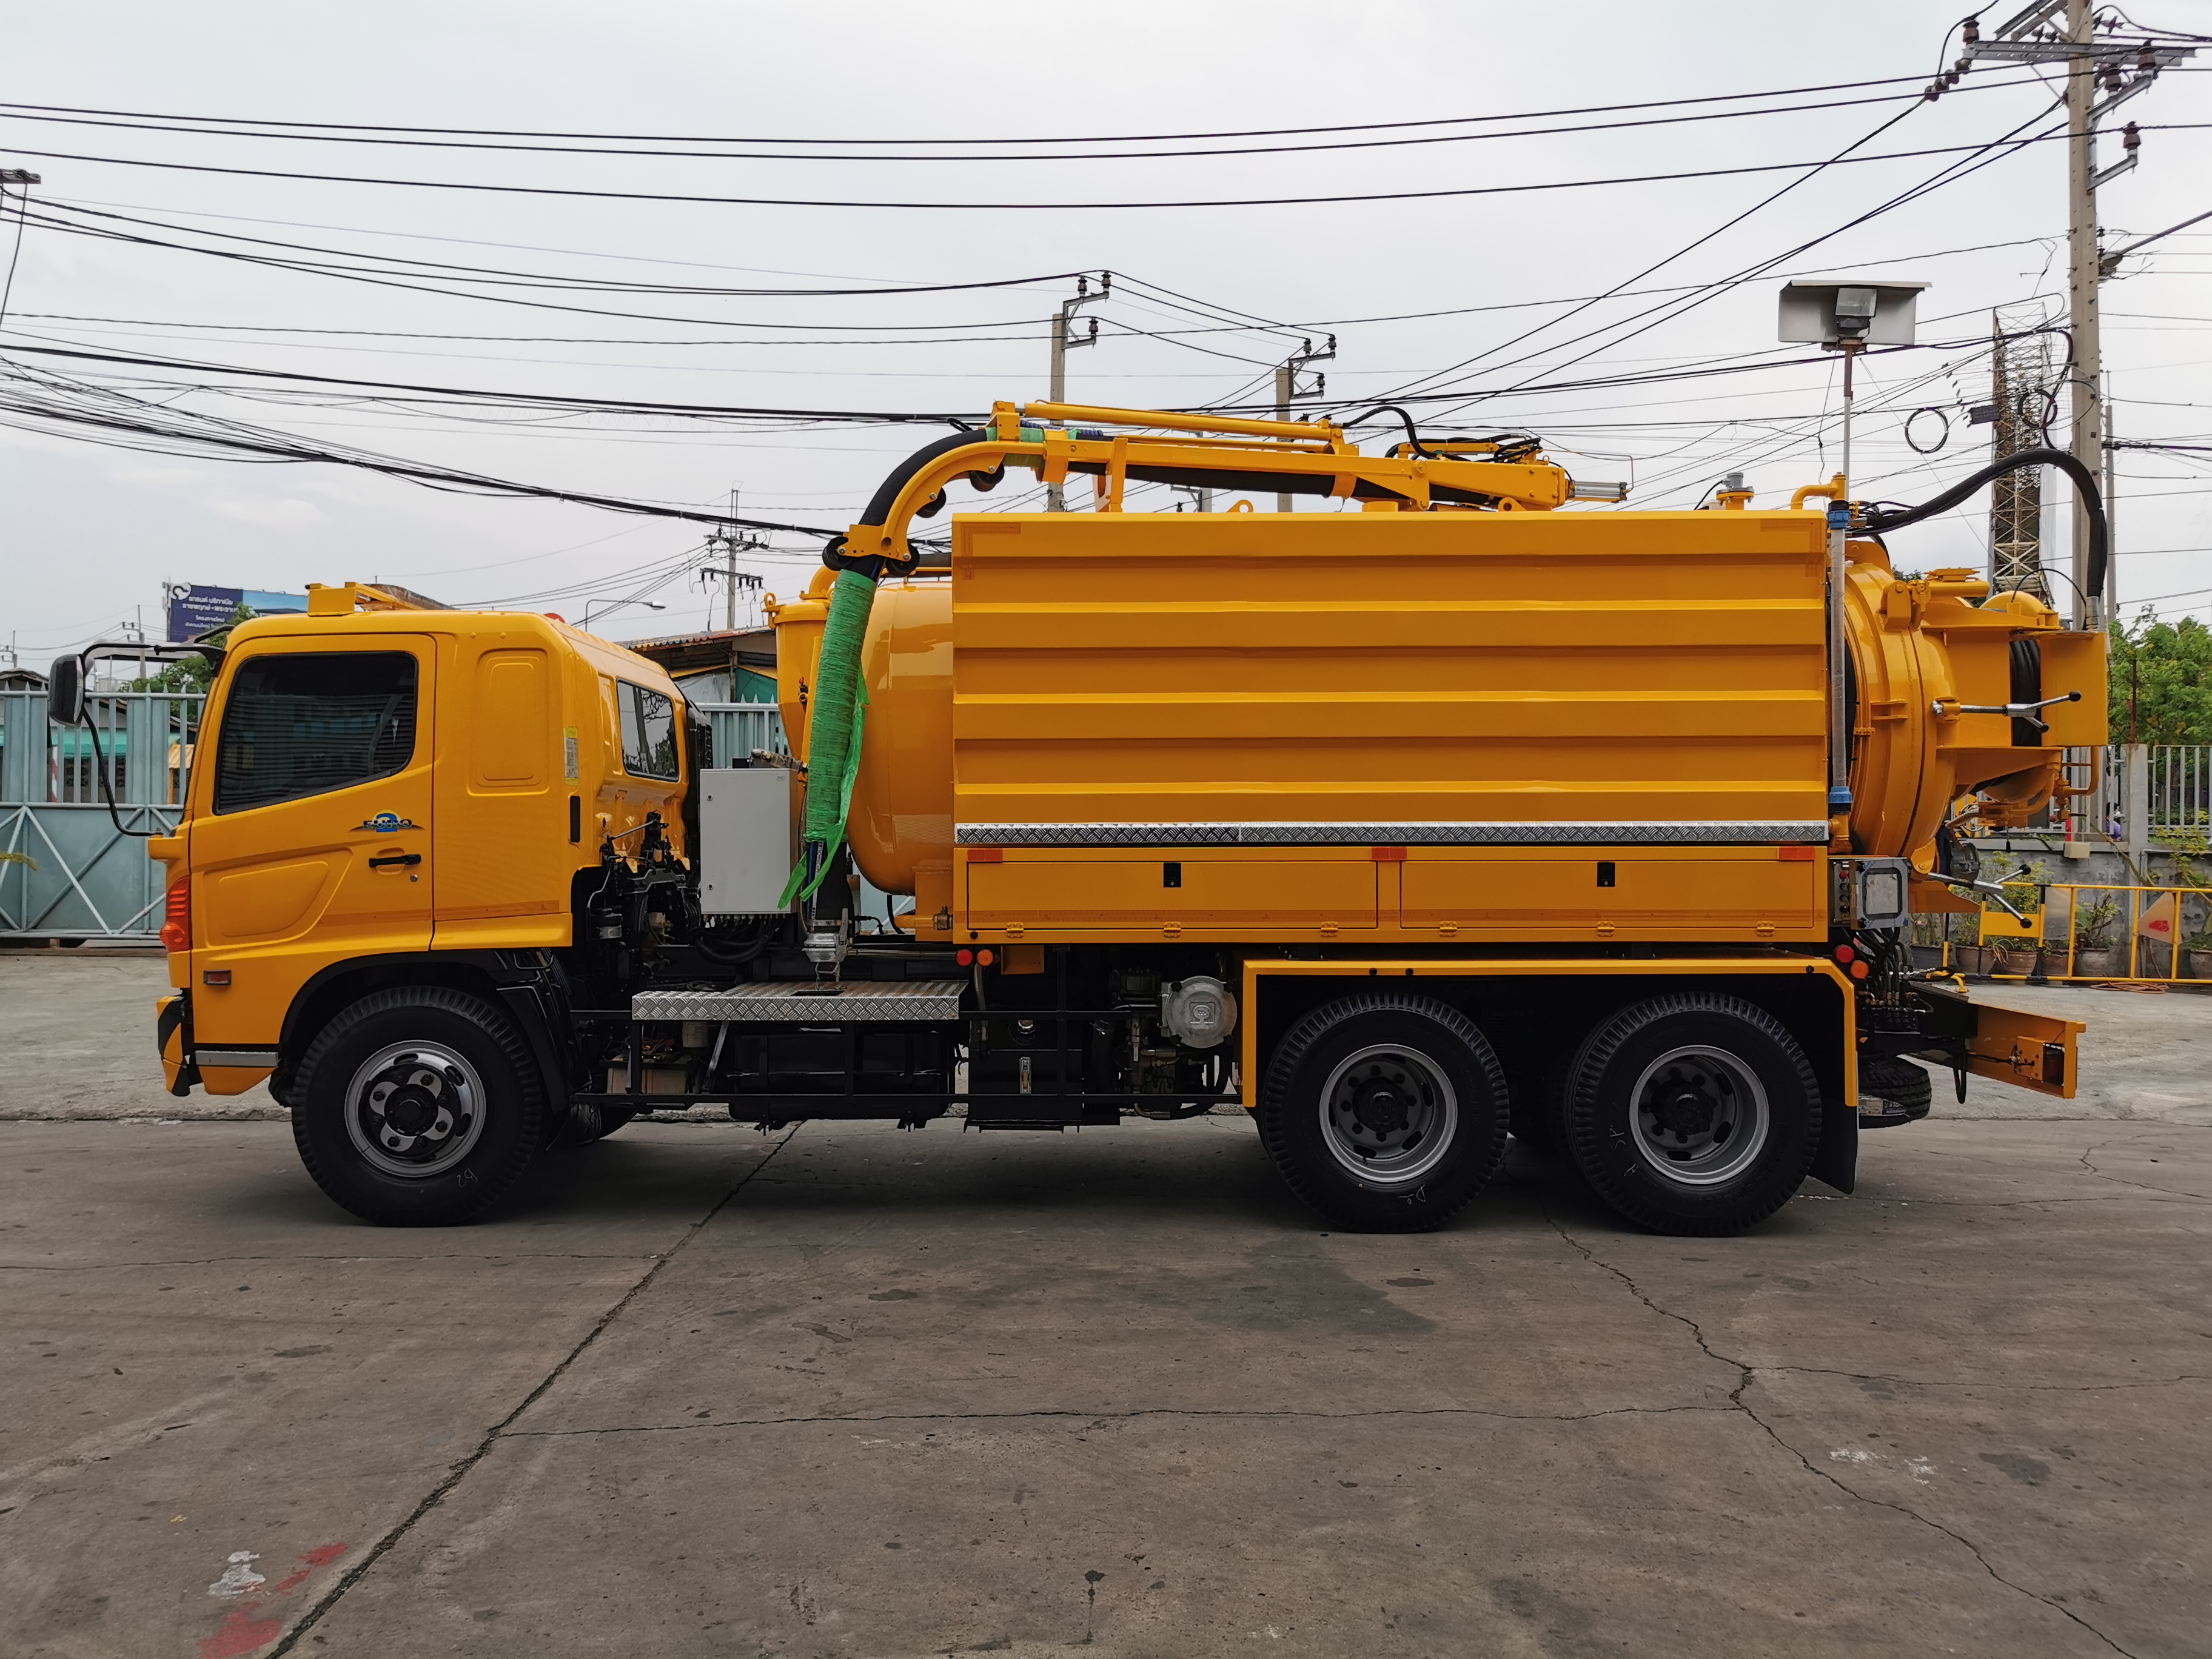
[[648, 723], [306, 724]]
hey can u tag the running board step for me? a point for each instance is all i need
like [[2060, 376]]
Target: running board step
[[831, 1002], [1032, 1113]]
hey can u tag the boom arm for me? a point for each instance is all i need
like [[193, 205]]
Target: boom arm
[[1308, 458]]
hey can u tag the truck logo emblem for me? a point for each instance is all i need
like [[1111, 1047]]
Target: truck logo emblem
[[386, 823]]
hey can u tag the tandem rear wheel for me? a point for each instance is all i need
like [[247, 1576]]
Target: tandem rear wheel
[[1694, 1113], [417, 1107], [1384, 1111]]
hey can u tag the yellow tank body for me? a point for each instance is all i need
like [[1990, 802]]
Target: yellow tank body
[[1412, 727]]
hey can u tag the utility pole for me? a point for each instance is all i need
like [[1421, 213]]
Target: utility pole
[[1064, 340], [1287, 387], [2112, 507], [2086, 374], [22, 181], [2092, 65], [729, 541]]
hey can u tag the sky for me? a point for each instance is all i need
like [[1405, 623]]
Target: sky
[[523, 291]]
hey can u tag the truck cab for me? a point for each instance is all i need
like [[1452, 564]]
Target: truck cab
[[388, 801]]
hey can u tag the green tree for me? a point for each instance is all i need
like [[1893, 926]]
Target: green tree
[[2161, 680], [193, 675]]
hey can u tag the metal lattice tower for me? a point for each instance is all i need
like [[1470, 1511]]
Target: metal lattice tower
[[2023, 394]]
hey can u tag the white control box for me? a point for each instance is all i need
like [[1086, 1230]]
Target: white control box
[[748, 839]]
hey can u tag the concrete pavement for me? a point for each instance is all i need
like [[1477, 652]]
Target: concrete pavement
[[854, 1391]]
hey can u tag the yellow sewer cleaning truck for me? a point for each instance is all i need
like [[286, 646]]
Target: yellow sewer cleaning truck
[[1453, 812]]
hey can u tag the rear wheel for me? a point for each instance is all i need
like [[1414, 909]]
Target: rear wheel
[[418, 1107], [589, 1122], [1386, 1113], [1694, 1113]]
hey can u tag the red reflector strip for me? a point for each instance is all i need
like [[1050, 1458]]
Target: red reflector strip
[[1386, 855], [1795, 855], [986, 855]]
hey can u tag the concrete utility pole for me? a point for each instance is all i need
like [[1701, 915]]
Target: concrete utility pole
[[1287, 387], [2086, 372], [22, 181], [2091, 65], [729, 541], [2112, 505], [1065, 339]]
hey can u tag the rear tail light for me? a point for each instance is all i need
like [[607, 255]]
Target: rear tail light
[[177, 917]]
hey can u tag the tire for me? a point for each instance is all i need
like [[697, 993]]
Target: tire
[[1898, 1091], [588, 1125], [1694, 1113], [1431, 1084], [418, 1107]]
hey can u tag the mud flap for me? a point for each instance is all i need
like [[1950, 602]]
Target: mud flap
[[1837, 1163], [173, 1036]]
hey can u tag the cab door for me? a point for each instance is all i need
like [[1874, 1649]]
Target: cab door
[[311, 824]]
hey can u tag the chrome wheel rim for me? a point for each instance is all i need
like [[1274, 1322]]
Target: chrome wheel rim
[[1699, 1116], [1388, 1113], [414, 1110]]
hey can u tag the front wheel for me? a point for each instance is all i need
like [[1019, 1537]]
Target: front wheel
[[1694, 1113], [1385, 1112], [418, 1107]]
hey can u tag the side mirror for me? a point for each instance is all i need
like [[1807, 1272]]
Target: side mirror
[[66, 692]]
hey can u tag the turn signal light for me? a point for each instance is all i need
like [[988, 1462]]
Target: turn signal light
[[987, 956], [1860, 970], [177, 917]]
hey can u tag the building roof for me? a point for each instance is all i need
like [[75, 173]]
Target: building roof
[[693, 654]]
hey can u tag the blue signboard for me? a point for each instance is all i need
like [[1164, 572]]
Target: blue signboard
[[194, 610]]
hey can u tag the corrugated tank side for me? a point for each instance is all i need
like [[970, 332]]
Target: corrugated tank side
[[1365, 670]]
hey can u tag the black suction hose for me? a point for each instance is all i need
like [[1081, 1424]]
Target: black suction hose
[[1878, 520], [1412, 432]]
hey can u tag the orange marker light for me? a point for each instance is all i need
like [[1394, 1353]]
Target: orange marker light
[[985, 956], [177, 917], [1860, 970]]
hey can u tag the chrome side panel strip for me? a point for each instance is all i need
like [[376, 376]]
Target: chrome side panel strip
[[1698, 833]]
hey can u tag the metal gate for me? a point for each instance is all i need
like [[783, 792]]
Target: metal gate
[[71, 874]]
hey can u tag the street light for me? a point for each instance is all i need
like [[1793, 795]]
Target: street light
[[616, 604], [1846, 316]]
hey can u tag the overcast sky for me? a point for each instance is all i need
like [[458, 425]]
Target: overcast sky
[[91, 532]]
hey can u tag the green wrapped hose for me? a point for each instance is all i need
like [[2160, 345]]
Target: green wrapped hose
[[834, 729]]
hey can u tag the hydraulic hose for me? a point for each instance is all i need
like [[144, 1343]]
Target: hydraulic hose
[[833, 733], [1879, 521]]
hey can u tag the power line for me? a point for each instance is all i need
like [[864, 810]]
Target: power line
[[1094, 138], [225, 127], [694, 199], [1120, 275], [2009, 144], [447, 270]]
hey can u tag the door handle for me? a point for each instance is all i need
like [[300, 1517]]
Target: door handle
[[384, 860]]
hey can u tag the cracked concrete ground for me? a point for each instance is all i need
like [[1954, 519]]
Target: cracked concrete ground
[[852, 1391]]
